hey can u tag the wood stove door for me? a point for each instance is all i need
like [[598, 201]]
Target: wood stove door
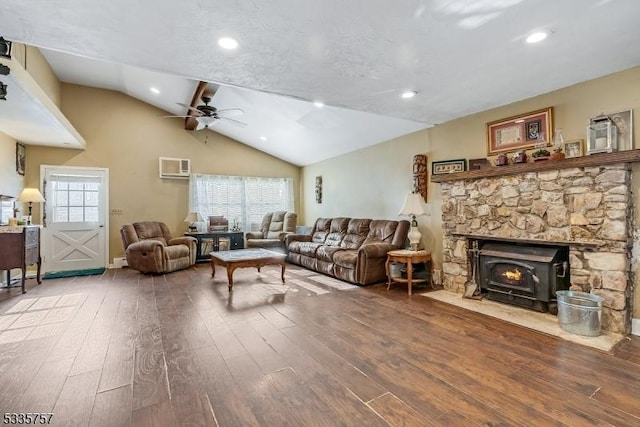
[[509, 275]]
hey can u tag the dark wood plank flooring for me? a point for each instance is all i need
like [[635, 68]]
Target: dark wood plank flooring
[[126, 349]]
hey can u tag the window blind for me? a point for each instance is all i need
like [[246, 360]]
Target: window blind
[[243, 199]]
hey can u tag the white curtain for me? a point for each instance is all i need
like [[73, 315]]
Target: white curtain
[[242, 199]]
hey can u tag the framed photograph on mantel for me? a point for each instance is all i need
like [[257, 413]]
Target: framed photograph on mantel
[[520, 132], [448, 166]]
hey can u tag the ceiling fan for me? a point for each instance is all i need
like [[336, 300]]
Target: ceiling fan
[[207, 114]]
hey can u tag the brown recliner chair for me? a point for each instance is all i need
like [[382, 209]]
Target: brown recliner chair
[[149, 248], [273, 230]]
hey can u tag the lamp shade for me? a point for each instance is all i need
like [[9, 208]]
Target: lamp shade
[[32, 195], [414, 205], [193, 217]]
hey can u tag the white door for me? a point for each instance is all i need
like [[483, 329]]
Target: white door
[[74, 220]]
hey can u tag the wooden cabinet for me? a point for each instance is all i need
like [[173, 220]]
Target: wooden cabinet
[[20, 247], [216, 241]]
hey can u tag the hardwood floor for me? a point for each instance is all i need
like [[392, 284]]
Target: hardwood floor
[[128, 349]]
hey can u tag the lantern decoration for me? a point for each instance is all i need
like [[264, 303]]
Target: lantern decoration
[[602, 135]]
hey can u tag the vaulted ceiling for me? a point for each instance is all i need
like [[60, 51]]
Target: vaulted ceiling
[[357, 57]]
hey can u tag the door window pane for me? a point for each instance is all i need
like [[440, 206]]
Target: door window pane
[[74, 200]]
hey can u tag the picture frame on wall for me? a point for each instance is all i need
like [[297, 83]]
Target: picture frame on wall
[[21, 158], [448, 166], [520, 132]]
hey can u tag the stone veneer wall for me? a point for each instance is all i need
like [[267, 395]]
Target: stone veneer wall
[[590, 209]]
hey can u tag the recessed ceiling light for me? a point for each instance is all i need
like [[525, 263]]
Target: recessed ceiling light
[[264, 138], [409, 94], [227, 43], [319, 104], [155, 90], [537, 37]]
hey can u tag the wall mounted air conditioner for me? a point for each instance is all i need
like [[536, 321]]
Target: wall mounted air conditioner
[[174, 168]]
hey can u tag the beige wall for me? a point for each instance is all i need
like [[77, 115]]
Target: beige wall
[[10, 182], [372, 182], [35, 63], [128, 136]]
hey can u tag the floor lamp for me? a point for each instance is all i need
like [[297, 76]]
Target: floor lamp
[[30, 195]]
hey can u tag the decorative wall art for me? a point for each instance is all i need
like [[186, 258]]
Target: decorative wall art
[[420, 175], [318, 189], [448, 166], [21, 158], [520, 132]]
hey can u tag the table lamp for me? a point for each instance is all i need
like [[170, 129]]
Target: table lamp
[[414, 206], [30, 195], [191, 219]]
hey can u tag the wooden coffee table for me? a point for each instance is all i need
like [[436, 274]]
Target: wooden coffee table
[[243, 258]]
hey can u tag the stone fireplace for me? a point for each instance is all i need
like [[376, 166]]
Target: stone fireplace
[[586, 209]]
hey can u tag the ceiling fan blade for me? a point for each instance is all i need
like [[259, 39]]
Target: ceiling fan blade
[[189, 107], [182, 117], [234, 121], [231, 112]]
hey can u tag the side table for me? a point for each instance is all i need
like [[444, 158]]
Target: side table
[[408, 257]]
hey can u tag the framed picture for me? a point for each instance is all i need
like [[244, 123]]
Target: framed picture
[[520, 132], [479, 164], [21, 158], [574, 148], [624, 123], [448, 166]]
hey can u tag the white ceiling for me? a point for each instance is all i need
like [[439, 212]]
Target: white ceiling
[[462, 56]]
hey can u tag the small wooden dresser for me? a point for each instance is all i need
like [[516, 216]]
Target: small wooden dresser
[[20, 247]]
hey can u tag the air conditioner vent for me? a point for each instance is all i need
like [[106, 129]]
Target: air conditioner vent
[[174, 168]]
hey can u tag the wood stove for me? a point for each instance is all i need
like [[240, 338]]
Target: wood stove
[[526, 275]]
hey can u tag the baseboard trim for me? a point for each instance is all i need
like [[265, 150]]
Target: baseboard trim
[[635, 327]]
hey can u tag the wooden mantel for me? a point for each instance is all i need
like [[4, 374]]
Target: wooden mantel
[[629, 156]]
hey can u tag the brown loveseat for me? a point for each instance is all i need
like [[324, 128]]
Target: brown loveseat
[[274, 228], [349, 249], [149, 248]]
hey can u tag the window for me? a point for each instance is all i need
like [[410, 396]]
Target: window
[[245, 199], [74, 198]]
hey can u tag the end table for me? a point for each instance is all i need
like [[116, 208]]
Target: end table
[[408, 257]]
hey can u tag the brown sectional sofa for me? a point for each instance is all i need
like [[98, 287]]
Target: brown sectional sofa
[[351, 249]]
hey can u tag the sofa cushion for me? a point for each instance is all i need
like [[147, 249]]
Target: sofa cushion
[[176, 251], [336, 231], [276, 226], [357, 231], [346, 258], [381, 231], [320, 231], [264, 243], [150, 230], [326, 253], [305, 248]]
